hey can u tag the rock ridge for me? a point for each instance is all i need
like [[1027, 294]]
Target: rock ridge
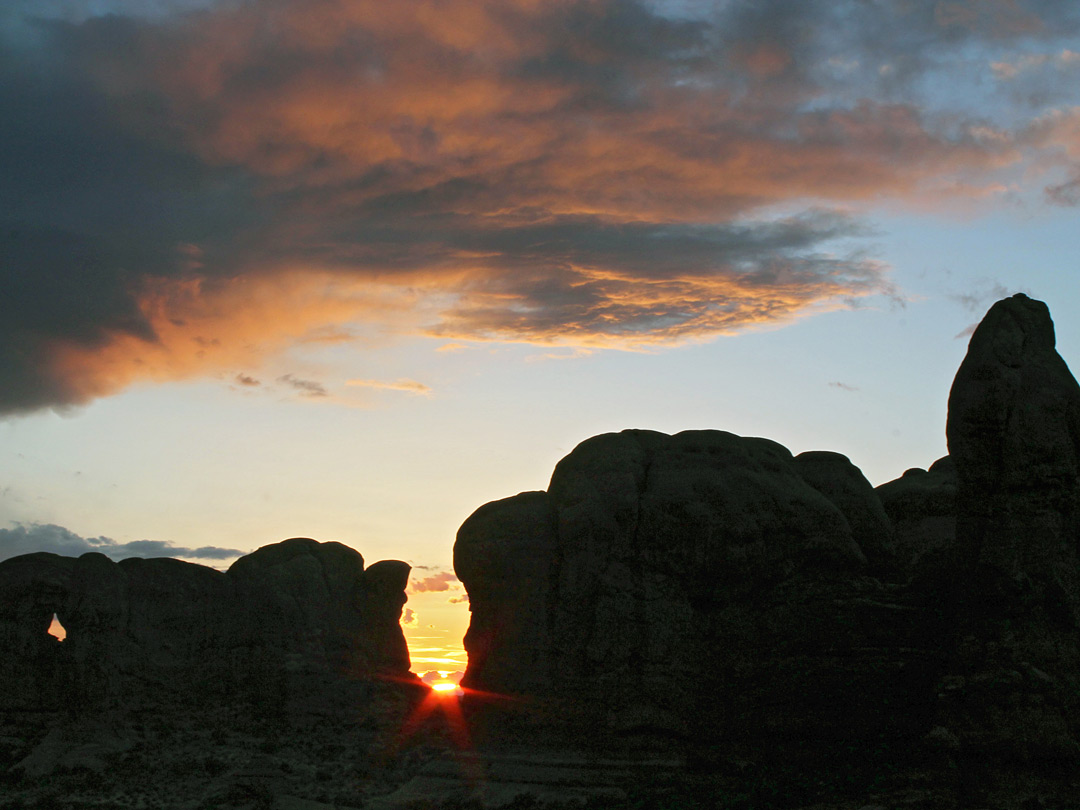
[[281, 621]]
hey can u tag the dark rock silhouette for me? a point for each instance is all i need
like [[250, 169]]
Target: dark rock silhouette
[[922, 507], [702, 585], [287, 618], [779, 610], [1014, 435]]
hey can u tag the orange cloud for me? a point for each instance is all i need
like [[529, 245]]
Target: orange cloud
[[442, 581], [201, 326], [627, 312], [408, 386], [407, 99]]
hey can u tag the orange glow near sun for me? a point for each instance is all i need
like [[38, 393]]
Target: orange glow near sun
[[439, 706], [445, 687]]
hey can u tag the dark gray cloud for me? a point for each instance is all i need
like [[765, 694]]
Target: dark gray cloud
[[89, 211], [585, 172], [27, 538]]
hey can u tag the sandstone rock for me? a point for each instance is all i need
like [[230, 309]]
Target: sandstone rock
[[922, 508], [706, 584], [144, 631], [33, 588], [505, 554], [835, 477], [1014, 434], [382, 598]]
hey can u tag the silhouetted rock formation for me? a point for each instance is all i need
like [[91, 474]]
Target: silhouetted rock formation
[[699, 584], [1014, 435], [765, 606], [921, 505], [283, 619]]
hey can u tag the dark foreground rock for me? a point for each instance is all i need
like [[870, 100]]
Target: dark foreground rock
[[290, 622], [283, 682], [1014, 435], [704, 587], [790, 625]]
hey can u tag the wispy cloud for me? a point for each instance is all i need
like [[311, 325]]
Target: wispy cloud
[[408, 386], [1007, 70], [975, 300], [572, 354], [27, 538], [306, 388]]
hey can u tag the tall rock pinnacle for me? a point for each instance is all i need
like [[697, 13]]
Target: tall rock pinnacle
[[1014, 435]]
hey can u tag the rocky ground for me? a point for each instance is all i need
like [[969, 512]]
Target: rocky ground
[[222, 757], [242, 759]]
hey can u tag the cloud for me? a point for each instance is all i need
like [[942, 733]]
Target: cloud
[[409, 618], [457, 600], [27, 538], [843, 386], [306, 388], [408, 386], [192, 193], [574, 354], [1065, 194], [976, 300], [441, 581], [1007, 71]]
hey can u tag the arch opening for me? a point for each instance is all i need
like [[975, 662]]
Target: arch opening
[[56, 629]]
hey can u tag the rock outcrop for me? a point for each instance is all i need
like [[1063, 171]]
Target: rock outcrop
[[282, 620], [1014, 435], [703, 585], [921, 505], [761, 605]]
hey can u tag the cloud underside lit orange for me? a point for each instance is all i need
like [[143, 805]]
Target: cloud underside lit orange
[[557, 172], [202, 328]]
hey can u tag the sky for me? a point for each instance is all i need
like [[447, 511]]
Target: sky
[[348, 270]]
